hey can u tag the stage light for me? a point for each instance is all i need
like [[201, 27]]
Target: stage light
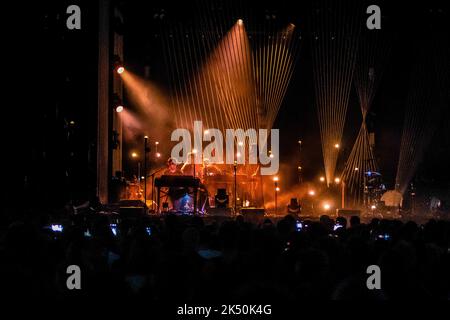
[[117, 103], [337, 146], [142, 178], [134, 155], [240, 22], [326, 206], [337, 180], [312, 193], [118, 64], [322, 179]]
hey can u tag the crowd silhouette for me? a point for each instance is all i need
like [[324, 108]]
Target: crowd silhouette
[[188, 258]]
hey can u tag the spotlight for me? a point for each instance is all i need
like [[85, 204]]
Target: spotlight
[[337, 146], [337, 180], [117, 104], [326, 206], [118, 65], [322, 179]]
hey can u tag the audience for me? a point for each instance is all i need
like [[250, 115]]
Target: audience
[[191, 259]]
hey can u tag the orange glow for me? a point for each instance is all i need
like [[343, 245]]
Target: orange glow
[[337, 180], [337, 146], [134, 155], [326, 206], [275, 178], [322, 179], [312, 193], [277, 189]]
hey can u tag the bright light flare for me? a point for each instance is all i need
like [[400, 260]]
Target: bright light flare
[[275, 179], [337, 180], [322, 179], [120, 70], [119, 109], [326, 206], [311, 192], [134, 155]]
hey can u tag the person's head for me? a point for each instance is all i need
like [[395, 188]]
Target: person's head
[[171, 164]]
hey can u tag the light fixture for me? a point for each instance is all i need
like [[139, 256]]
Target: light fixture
[[337, 180], [322, 179], [117, 104], [337, 146], [118, 65], [311, 192]]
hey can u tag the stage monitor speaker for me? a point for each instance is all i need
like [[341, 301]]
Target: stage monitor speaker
[[348, 213], [131, 209], [252, 212], [220, 212]]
